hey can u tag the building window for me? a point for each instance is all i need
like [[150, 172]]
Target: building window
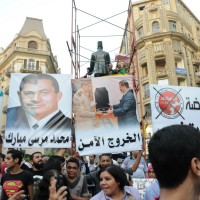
[[141, 32], [146, 90], [25, 63], [176, 46], [144, 70], [179, 63], [148, 110], [158, 47], [141, 8], [182, 82], [165, 2], [155, 27], [172, 26], [31, 64], [142, 53], [32, 45]]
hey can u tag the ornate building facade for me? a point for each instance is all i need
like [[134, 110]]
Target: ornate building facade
[[29, 52], [163, 39]]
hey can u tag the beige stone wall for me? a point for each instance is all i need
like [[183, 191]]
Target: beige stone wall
[[12, 60], [160, 53]]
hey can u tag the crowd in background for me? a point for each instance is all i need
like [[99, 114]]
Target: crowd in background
[[174, 152]]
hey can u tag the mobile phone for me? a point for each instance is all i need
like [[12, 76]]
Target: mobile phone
[[60, 182]]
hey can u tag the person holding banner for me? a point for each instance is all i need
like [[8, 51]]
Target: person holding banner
[[137, 163], [39, 95], [174, 152], [125, 111]]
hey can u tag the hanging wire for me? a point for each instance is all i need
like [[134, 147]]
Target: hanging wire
[[104, 21]]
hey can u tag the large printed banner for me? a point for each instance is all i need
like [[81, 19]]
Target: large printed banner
[[174, 105], [39, 111], [105, 112], [141, 184], [1, 105]]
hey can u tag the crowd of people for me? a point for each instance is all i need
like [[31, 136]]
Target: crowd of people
[[174, 153]]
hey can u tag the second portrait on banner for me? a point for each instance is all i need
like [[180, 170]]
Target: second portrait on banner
[[106, 115]]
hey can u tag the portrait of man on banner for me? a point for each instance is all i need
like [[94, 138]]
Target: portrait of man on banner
[[84, 110], [106, 115], [125, 110], [38, 111]]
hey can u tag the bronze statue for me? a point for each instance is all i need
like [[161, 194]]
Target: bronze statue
[[100, 60]]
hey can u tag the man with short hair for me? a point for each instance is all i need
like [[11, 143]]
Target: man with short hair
[[125, 111], [75, 181], [16, 179], [174, 152], [93, 182], [37, 170], [39, 95], [89, 166], [37, 163]]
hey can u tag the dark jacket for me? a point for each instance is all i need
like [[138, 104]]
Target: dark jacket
[[16, 120], [126, 110]]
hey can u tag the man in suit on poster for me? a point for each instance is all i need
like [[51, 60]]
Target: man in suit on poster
[[39, 95], [125, 111]]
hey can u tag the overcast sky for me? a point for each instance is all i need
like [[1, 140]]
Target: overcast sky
[[56, 16]]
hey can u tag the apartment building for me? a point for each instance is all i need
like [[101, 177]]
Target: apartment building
[[29, 52], [165, 38]]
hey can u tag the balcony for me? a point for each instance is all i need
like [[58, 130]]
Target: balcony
[[31, 69], [197, 79], [24, 50], [158, 49], [145, 78], [196, 61], [161, 74]]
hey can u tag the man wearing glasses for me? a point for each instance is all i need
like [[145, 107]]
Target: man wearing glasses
[[39, 96], [75, 181]]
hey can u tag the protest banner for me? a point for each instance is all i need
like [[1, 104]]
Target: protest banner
[[174, 105], [106, 121], [39, 111], [141, 184]]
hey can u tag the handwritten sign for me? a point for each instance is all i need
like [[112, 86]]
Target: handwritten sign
[[174, 105], [141, 184]]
